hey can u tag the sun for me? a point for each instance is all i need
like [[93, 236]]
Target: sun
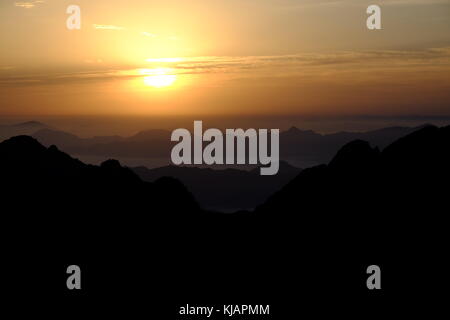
[[160, 81], [158, 77]]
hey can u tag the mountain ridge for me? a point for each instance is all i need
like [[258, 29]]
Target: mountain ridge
[[301, 148]]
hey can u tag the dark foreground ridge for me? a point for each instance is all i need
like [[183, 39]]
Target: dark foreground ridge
[[151, 243]]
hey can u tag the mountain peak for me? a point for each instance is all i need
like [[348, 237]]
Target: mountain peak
[[23, 142], [293, 129], [30, 124], [111, 164], [354, 154]]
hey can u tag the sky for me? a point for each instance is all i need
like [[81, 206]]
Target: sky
[[233, 57]]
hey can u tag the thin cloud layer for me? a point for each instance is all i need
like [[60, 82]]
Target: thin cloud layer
[[324, 65]]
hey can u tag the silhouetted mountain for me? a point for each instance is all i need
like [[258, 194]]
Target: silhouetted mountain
[[318, 234], [224, 190], [29, 169], [58, 211], [373, 204], [409, 158], [366, 207]]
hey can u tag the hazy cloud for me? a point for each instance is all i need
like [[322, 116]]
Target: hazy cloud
[[28, 4]]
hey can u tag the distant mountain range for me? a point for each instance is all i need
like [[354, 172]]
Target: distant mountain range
[[146, 144], [223, 190], [297, 146], [24, 157], [300, 148], [24, 128]]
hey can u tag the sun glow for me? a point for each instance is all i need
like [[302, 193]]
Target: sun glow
[[160, 81], [158, 77]]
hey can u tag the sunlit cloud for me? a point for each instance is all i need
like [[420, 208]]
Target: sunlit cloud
[[107, 27], [28, 4]]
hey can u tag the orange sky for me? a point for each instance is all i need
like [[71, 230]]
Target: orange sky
[[141, 57]]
